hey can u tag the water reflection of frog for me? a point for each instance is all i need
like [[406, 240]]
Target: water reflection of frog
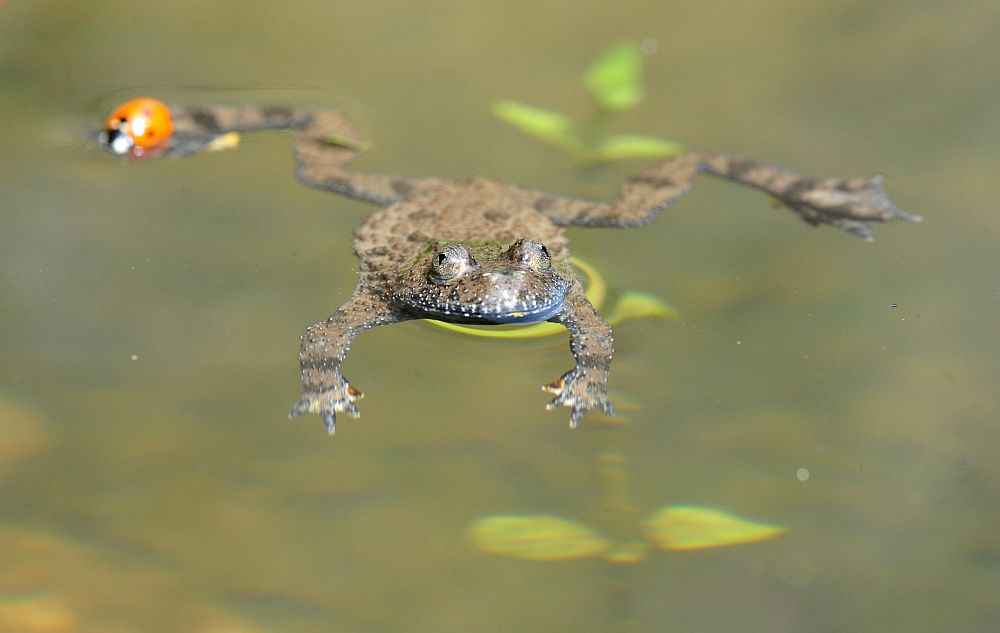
[[483, 252]]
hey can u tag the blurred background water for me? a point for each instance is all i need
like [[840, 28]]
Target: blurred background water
[[150, 313]]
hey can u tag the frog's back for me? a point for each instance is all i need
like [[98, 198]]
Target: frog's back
[[472, 211]]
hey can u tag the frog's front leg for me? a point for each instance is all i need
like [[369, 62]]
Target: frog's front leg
[[324, 346], [591, 341]]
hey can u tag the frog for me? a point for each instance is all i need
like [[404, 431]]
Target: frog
[[482, 252]]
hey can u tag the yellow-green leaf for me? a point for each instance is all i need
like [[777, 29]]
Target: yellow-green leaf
[[536, 537], [640, 305], [222, 142], [552, 127], [615, 78], [628, 146], [349, 143], [685, 527]]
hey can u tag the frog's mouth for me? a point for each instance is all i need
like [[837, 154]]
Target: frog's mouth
[[491, 297]]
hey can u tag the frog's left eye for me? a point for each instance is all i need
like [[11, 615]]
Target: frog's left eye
[[531, 254], [450, 263]]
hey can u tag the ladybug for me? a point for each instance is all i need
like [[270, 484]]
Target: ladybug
[[137, 126]]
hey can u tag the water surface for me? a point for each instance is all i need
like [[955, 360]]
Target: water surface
[[149, 480]]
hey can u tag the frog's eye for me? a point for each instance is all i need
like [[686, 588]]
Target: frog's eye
[[531, 254], [451, 262]]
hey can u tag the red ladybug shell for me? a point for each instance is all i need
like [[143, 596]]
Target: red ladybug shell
[[145, 121]]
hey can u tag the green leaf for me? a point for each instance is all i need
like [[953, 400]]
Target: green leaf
[[628, 146], [615, 78], [698, 527], [633, 305], [343, 141], [536, 537], [552, 127]]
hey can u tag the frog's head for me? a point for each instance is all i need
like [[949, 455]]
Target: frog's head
[[484, 283]]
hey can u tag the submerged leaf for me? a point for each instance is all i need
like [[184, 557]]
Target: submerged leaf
[[343, 141], [536, 537], [628, 146], [614, 79], [640, 305], [699, 527], [552, 127]]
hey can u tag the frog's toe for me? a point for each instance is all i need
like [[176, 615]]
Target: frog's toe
[[300, 407], [554, 388], [607, 408], [330, 419]]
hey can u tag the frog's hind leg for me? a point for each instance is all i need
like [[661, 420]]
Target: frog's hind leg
[[850, 204], [196, 128], [325, 147]]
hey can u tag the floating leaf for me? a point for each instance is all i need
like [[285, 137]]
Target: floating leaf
[[534, 330], [628, 146], [614, 79], [698, 527], [640, 305], [536, 537], [552, 127]]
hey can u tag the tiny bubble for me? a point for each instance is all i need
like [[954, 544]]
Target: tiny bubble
[[802, 474], [134, 357], [739, 342], [893, 305], [649, 46]]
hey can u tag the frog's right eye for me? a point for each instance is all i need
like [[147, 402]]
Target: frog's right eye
[[450, 263]]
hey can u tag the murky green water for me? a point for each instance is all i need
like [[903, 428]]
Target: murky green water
[[149, 480]]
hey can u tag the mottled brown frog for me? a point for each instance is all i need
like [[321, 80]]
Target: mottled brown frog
[[484, 252]]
